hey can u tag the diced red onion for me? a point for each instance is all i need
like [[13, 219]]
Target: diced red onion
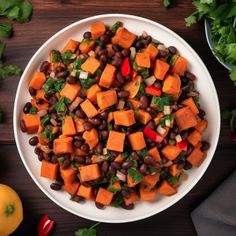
[[120, 176], [73, 105], [42, 113], [53, 121], [83, 74], [121, 104]]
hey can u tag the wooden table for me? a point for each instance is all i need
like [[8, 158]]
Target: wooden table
[[49, 17]]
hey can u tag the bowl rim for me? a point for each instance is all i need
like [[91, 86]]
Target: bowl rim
[[211, 45], [206, 162]]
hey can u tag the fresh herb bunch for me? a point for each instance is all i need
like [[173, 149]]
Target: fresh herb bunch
[[221, 16]]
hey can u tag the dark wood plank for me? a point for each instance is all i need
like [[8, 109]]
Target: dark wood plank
[[51, 16], [173, 221]]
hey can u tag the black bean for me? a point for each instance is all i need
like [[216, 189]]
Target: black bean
[[39, 101], [94, 121], [126, 165], [37, 150], [201, 113], [125, 193], [61, 74], [151, 124], [87, 35], [180, 164], [123, 171], [172, 49], [152, 111], [67, 156], [80, 114], [104, 134], [116, 61], [125, 52], [52, 100], [104, 166], [114, 153], [87, 126], [105, 39], [99, 148], [172, 135], [51, 109], [118, 54], [44, 66], [103, 125], [129, 207], [153, 144], [139, 44], [116, 165], [48, 94], [83, 93], [55, 186], [98, 48], [119, 77], [103, 58], [116, 47], [71, 79], [103, 115], [22, 126], [143, 168], [190, 76], [149, 160], [45, 156], [27, 107], [148, 38], [54, 158], [59, 69], [78, 143], [157, 84], [40, 156], [65, 164], [77, 198], [99, 205], [85, 147], [112, 170], [123, 94], [78, 137], [144, 102], [184, 134], [205, 146], [109, 33], [187, 165], [101, 52], [80, 160], [34, 141], [134, 155], [32, 91], [88, 161]]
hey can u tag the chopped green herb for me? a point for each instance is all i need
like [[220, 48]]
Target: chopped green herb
[[196, 101], [99, 72], [141, 90], [109, 127], [33, 110], [161, 101], [172, 142], [117, 201], [133, 161], [125, 154], [173, 179], [144, 72], [45, 120], [54, 85], [167, 117], [142, 153], [87, 231], [164, 174], [9, 70], [5, 30], [135, 175], [60, 106], [116, 26], [47, 134], [167, 3], [87, 83], [66, 57], [56, 56], [78, 62], [60, 160], [98, 42], [153, 170]]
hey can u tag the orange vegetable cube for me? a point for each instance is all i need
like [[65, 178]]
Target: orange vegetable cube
[[137, 141], [71, 46], [123, 38], [68, 175], [149, 181], [166, 189], [116, 141], [135, 103], [49, 170], [147, 195], [155, 154], [143, 116], [97, 30], [160, 69], [152, 51], [32, 122], [104, 196], [185, 118], [86, 46], [79, 125], [91, 138], [71, 188], [171, 84], [62, 145], [157, 119], [70, 91], [89, 109], [125, 118], [180, 66], [38, 80], [174, 171], [194, 138], [191, 104], [106, 99], [89, 172], [90, 65], [68, 127], [142, 59], [92, 93], [171, 152], [86, 192], [107, 76], [201, 125], [195, 157], [133, 198]]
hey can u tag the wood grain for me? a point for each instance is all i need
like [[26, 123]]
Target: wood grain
[[49, 17]]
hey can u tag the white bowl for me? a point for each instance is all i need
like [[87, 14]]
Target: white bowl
[[211, 45], [209, 102]]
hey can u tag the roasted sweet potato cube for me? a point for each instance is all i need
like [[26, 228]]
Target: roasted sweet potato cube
[[116, 141], [89, 109], [90, 65], [196, 157], [89, 172]]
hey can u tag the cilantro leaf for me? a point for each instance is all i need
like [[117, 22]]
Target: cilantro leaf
[[115, 27], [33, 110], [141, 90], [45, 120], [87, 231], [54, 85], [47, 134], [167, 117], [173, 179], [56, 56], [5, 30], [161, 101], [87, 83], [9, 70], [67, 57], [142, 153], [60, 106], [135, 175], [78, 62]]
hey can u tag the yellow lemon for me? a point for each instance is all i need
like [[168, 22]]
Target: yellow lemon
[[11, 211]]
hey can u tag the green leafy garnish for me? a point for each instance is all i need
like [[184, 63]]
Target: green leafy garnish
[[87, 83], [173, 179], [167, 117], [45, 120], [67, 57], [47, 134], [98, 72], [116, 26], [141, 90], [232, 75], [133, 161], [230, 116], [135, 175], [87, 231], [60, 106], [109, 127], [5, 30], [142, 153], [117, 201], [78, 62], [54, 85], [125, 154], [33, 110], [56, 56], [167, 3], [161, 101], [9, 70]]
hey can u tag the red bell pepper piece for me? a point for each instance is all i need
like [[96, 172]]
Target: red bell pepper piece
[[153, 135], [45, 226], [153, 90], [133, 74], [125, 67], [183, 145]]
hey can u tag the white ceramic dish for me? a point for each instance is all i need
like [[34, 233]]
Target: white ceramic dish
[[209, 102], [211, 45]]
